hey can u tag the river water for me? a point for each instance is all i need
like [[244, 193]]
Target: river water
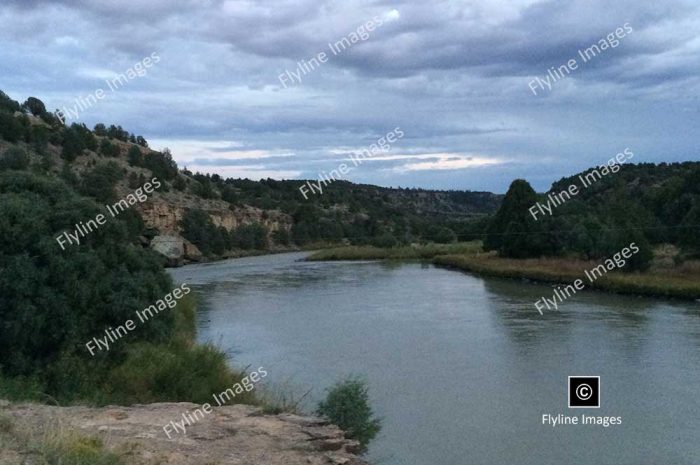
[[462, 368]]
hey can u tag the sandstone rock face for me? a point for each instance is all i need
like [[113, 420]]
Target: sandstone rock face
[[235, 435], [163, 211]]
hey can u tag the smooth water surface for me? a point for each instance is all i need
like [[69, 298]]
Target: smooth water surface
[[462, 368]]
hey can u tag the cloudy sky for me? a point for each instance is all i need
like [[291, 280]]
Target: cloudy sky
[[453, 75]]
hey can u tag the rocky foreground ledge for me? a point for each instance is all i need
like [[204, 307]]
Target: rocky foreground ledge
[[238, 434]]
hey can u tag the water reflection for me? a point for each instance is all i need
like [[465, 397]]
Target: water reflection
[[460, 367]]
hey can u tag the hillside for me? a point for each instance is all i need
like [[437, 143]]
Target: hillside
[[193, 216]]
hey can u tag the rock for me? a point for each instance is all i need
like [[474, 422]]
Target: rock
[[171, 247], [235, 434], [353, 447], [331, 444], [192, 252]]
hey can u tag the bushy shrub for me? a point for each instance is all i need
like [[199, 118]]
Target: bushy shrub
[[281, 236], [11, 129], [14, 159], [109, 149], [198, 228], [347, 405], [73, 144], [250, 236], [386, 240], [99, 182], [51, 300], [161, 165], [134, 156]]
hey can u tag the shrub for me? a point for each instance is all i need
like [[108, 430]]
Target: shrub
[[161, 165], [11, 129], [198, 228], [347, 405], [72, 294], [386, 240], [281, 236], [73, 144], [109, 149], [14, 159], [250, 236], [99, 182], [134, 156]]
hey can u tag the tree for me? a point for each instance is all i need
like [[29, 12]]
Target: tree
[[99, 182], [72, 144], [100, 130], [11, 129], [513, 231], [7, 104], [134, 156], [281, 236], [88, 138], [35, 106], [54, 299], [441, 235], [109, 149], [161, 165], [690, 229], [198, 228]]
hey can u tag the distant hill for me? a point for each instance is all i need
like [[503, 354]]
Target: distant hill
[[193, 214]]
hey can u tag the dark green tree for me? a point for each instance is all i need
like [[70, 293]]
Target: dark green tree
[[34, 106], [513, 231], [134, 156]]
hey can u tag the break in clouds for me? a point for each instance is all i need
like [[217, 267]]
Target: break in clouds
[[453, 75]]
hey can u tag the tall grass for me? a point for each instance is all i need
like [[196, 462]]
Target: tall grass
[[369, 252], [683, 283]]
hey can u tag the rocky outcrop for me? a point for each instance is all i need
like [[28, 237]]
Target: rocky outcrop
[[235, 435], [163, 211]]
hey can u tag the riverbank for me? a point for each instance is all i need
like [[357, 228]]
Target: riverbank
[[33, 433], [369, 252], [682, 282]]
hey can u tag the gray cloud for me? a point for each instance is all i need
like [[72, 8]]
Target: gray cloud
[[452, 74]]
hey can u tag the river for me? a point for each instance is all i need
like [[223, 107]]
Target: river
[[462, 368]]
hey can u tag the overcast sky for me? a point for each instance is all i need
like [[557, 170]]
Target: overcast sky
[[453, 75]]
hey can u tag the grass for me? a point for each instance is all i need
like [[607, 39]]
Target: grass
[[53, 446], [681, 282], [69, 448], [369, 252]]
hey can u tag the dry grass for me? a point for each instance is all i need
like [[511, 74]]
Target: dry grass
[[681, 282], [395, 253]]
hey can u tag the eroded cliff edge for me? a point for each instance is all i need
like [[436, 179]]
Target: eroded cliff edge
[[236, 435]]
